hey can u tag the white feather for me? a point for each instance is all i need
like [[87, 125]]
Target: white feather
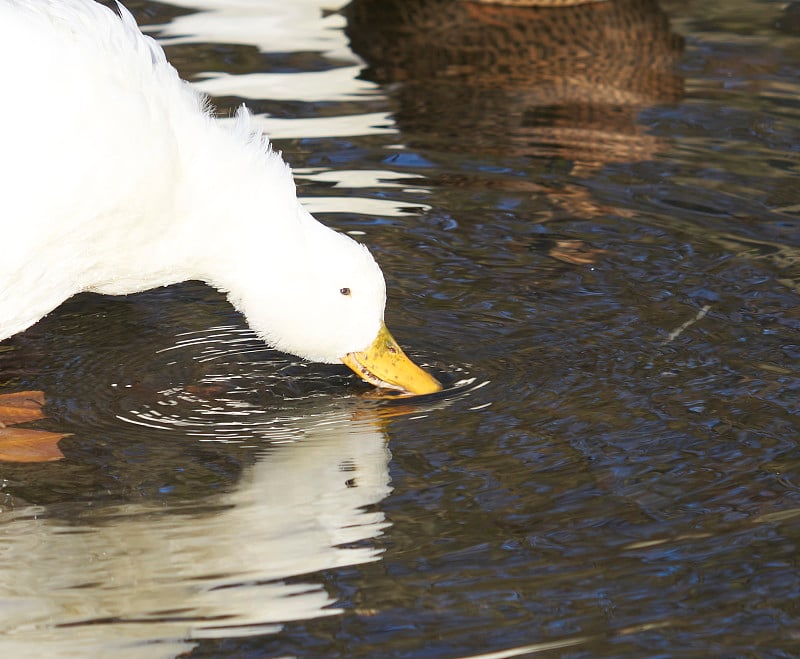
[[115, 178]]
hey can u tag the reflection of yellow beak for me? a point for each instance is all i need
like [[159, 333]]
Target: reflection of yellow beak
[[384, 364]]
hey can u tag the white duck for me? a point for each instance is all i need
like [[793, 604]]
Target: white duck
[[115, 178]]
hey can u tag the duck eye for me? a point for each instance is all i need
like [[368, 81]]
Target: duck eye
[[344, 291]]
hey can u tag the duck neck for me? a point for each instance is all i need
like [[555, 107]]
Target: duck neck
[[242, 222]]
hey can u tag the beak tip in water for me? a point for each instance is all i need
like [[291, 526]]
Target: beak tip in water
[[384, 364]]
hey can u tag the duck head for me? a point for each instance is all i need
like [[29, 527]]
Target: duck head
[[324, 301]]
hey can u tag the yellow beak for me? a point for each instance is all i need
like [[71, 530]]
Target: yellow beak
[[384, 364]]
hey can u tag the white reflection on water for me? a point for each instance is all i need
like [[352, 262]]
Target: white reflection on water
[[279, 27], [269, 25], [339, 84], [366, 206], [142, 580], [362, 178], [348, 125]]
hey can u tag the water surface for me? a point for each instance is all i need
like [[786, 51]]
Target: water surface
[[593, 212]]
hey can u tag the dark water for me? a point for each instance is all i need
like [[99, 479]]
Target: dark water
[[590, 226]]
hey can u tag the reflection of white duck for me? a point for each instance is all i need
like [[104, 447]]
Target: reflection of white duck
[[138, 573], [116, 179]]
